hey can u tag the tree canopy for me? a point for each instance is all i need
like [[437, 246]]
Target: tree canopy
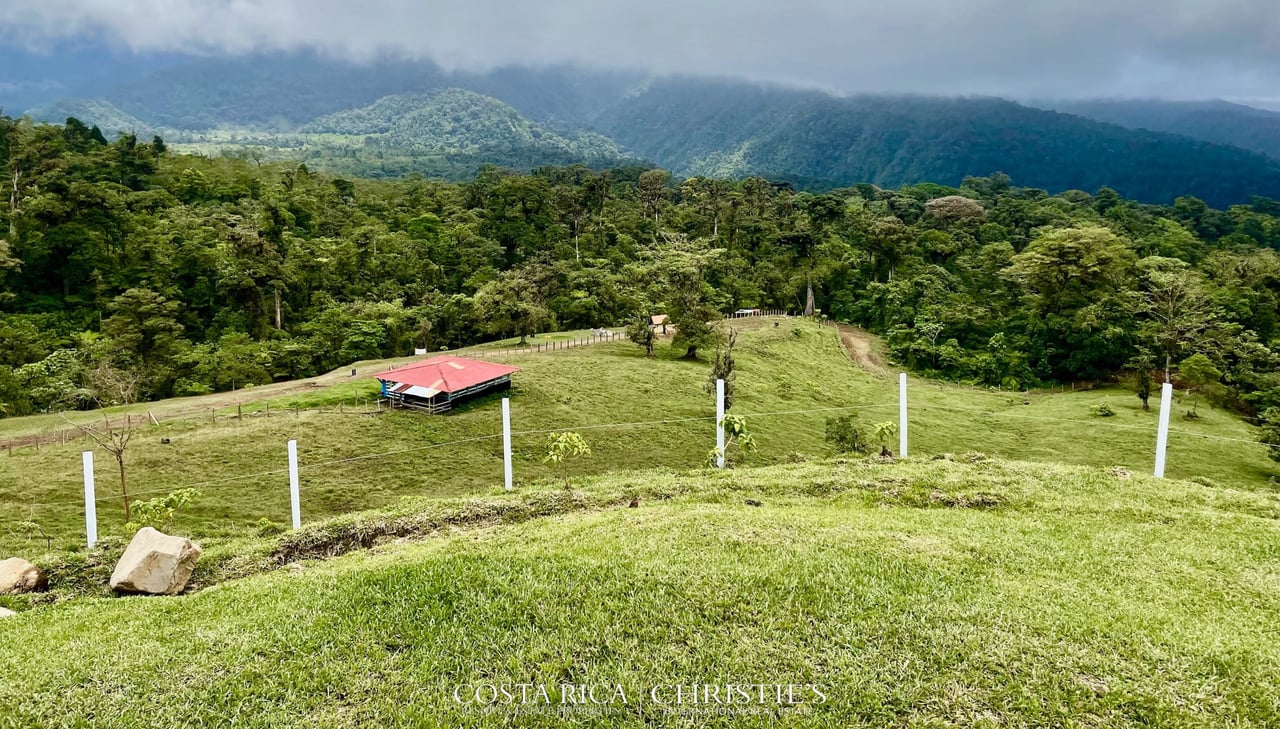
[[203, 274]]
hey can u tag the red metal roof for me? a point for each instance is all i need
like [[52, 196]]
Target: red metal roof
[[447, 373]]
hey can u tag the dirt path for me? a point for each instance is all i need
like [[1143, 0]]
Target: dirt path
[[862, 349]]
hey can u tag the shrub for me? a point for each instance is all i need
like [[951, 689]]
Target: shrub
[[563, 447], [1102, 409], [264, 527], [884, 435], [738, 442], [158, 513], [843, 433]]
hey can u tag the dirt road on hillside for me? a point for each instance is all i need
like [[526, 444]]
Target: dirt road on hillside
[[862, 349]]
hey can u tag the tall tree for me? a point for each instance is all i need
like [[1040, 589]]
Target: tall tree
[[511, 304]]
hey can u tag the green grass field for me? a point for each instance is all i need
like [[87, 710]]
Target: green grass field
[[790, 378], [926, 593]]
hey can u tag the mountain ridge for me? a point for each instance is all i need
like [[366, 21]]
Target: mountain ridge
[[693, 126]]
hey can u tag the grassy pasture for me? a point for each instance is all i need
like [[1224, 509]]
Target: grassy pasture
[[791, 377], [917, 594]]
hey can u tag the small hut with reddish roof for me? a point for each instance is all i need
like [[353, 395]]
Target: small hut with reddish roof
[[435, 385]]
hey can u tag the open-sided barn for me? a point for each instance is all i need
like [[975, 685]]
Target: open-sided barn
[[437, 384]]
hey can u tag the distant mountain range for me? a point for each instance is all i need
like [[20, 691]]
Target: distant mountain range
[[394, 117], [1211, 121]]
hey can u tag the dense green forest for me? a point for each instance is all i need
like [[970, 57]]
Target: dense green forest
[[718, 128], [1214, 121], [391, 118], [191, 274]]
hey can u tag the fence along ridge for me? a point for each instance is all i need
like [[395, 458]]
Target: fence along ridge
[[506, 434], [671, 421]]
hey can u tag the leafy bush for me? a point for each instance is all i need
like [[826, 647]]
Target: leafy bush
[[563, 447], [1270, 433], [884, 435], [158, 513], [738, 442], [843, 433], [1102, 409]]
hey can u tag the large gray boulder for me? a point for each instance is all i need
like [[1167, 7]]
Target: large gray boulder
[[18, 576], [155, 564]]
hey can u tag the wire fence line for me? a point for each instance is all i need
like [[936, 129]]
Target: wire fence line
[[574, 428], [70, 432], [920, 411], [302, 466]]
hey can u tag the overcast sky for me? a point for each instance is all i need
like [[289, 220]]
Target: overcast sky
[[1021, 48]]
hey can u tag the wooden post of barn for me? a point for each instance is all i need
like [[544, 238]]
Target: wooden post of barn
[[902, 414], [294, 495], [1162, 435], [90, 501], [719, 423], [506, 442]]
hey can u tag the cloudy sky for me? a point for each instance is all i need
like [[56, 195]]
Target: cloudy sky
[[1022, 48]]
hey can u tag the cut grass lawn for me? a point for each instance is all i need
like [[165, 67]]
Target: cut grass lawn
[[791, 377], [920, 593]]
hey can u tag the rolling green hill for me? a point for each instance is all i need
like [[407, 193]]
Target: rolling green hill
[[107, 116], [636, 413], [911, 594], [949, 588], [455, 121]]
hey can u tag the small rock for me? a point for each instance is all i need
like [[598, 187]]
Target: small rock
[[635, 502], [752, 502], [1121, 473], [295, 567], [7, 613], [18, 576], [155, 564]]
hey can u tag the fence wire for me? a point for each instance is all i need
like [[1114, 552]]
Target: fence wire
[[917, 409]]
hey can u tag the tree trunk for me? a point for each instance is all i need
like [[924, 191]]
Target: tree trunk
[[279, 312], [124, 487], [808, 301], [692, 353], [1168, 360], [13, 208]]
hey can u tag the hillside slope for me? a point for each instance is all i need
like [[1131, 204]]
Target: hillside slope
[[635, 413], [921, 594], [1212, 121], [724, 129], [703, 126], [457, 121]]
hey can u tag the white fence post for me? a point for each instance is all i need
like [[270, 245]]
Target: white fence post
[[90, 501], [1162, 435], [506, 442], [294, 496], [719, 423], [902, 414]]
